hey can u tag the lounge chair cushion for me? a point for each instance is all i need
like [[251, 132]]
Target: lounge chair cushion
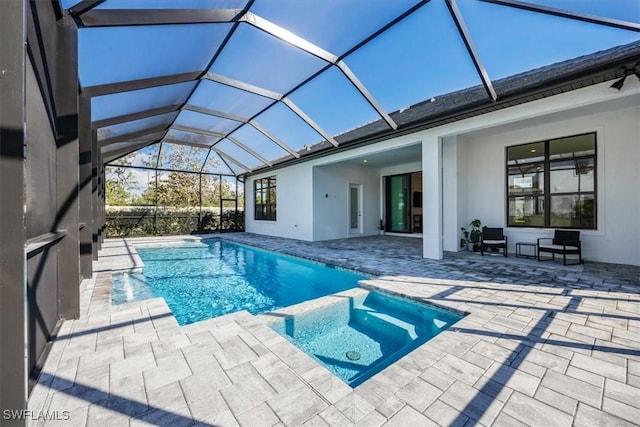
[[559, 247]]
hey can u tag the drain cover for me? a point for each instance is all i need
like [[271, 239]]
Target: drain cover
[[353, 355]]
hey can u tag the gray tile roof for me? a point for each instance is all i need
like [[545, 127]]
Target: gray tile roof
[[516, 89]]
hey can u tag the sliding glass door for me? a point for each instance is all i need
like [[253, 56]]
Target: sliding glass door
[[398, 205]]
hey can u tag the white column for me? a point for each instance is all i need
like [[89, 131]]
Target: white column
[[432, 197], [450, 194]]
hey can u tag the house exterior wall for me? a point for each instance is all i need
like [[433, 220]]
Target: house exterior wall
[[301, 189], [294, 218], [432, 194], [401, 168], [453, 193], [331, 200], [617, 236], [468, 159]]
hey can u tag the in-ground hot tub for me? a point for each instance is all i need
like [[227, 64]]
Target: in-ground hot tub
[[358, 336]]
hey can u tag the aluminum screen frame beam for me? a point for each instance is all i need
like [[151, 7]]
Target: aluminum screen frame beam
[[151, 137], [188, 143], [471, 49], [84, 6], [128, 150], [136, 116], [199, 131], [218, 52], [204, 163], [593, 19], [85, 134], [350, 75], [133, 135], [226, 163], [257, 126], [224, 136], [274, 138], [223, 155], [384, 28], [151, 168], [298, 111], [247, 87], [110, 156], [243, 15], [148, 140], [237, 84], [67, 165], [215, 113], [288, 37], [137, 17], [310, 48], [249, 150], [210, 148], [131, 85]]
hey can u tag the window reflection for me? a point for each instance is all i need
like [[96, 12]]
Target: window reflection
[[265, 202], [559, 174]]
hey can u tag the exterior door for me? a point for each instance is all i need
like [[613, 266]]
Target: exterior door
[[355, 208], [398, 204]]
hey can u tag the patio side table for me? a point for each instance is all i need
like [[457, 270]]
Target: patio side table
[[520, 254]]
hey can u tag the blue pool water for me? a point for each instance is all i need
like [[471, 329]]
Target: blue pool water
[[205, 279], [359, 337]]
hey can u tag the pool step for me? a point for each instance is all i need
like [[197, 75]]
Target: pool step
[[377, 319]]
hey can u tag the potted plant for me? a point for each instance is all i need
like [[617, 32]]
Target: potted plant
[[471, 237], [381, 227]]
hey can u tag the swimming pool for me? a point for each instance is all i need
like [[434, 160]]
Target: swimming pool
[[209, 278], [362, 334]]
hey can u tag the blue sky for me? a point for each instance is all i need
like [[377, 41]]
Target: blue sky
[[420, 58]]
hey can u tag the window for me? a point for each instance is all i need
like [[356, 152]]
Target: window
[[265, 191], [553, 183]]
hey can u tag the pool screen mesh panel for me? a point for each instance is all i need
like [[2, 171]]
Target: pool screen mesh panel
[[256, 83]]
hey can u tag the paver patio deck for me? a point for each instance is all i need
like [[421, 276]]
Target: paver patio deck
[[543, 345]]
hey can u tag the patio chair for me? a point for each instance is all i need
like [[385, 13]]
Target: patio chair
[[565, 242], [493, 238]]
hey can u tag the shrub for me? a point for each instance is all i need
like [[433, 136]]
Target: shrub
[[139, 221]]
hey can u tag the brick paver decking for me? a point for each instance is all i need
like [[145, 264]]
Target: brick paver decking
[[542, 345]]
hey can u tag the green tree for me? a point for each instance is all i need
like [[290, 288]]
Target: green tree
[[118, 184], [212, 187], [116, 193], [147, 197], [179, 189], [176, 193]]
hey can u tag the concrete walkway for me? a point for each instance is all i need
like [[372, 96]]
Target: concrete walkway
[[543, 345]]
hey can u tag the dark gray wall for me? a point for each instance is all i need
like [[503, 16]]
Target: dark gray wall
[[12, 235], [41, 192], [40, 168], [51, 176], [85, 186], [39, 171]]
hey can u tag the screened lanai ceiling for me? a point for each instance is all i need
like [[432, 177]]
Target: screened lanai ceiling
[[237, 86]]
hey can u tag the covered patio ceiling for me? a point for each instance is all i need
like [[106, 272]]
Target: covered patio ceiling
[[248, 84]]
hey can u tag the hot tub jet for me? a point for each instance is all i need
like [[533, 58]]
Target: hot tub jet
[[353, 355]]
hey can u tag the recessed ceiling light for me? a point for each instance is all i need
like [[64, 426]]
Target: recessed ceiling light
[[533, 151], [365, 161]]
